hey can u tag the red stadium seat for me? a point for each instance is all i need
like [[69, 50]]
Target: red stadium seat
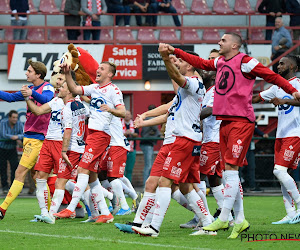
[[237, 31], [105, 35], [180, 6], [257, 35], [48, 6], [32, 9], [9, 34], [124, 35], [58, 35], [200, 6], [211, 35], [222, 7], [62, 6], [168, 35], [147, 35], [4, 6], [35, 34], [243, 7], [257, 5], [190, 36]]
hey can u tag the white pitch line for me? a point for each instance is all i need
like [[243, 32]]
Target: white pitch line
[[101, 239]]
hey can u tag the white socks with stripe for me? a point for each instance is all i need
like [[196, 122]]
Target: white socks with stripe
[[118, 190], [57, 199], [238, 206], [147, 202], [128, 188], [42, 195], [179, 197], [218, 193], [97, 193]]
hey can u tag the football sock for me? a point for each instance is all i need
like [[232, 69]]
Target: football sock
[[118, 190], [238, 206], [12, 194], [90, 201], [99, 197], [49, 198], [179, 197], [218, 193], [57, 199], [147, 202], [128, 188], [42, 195]]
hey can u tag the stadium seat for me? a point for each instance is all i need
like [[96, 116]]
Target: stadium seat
[[200, 6], [222, 7], [58, 35], [237, 31], [35, 34], [168, 35], [212, 34], [243, 7], [124, 35], [9, 34], [105, 36], [190, 36], [62, 6], [257, 5], [4, 6], [48, 6], [257, 35], [180, 6], [32, 9], [147, 35]]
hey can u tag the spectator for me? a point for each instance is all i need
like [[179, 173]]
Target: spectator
[[142, 6], [93, 9], [130, 132], [73, 7], [274, 8], [293, 6], [250, 156], [119, 6], [19, 6], [165, 6], [281, 41], [11, 133], [147, 146]]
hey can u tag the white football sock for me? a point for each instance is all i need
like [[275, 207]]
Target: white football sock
[[163, 198], [42, 195], [202, 194], [288, 202], [147, 202], [231, 189], [90, 201], [70, 185], [179, 197], [288, 182], [99, 197], [106, 185], [118, 191], [198, 207], [80, 186], [218, 193], [57, 199], [238, 206], [107, 194], [128, 188]]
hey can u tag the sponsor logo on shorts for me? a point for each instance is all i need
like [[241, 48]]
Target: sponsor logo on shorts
[[237, 149], [62, 166], [297, 160], [87, 157], [288, 154], [167, 163], [203, 159], [176, 171], [122, 169], [110, 165]]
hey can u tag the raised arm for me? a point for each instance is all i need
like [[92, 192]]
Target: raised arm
[[74, 89], [139, 123], [11, 97], [160, 110]]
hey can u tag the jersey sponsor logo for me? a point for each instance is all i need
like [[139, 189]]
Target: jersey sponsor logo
[[178, 101], [56, 116], [176, 171], [196, 128], [288, 154], [96, 103], [285, 109], [225, 81]]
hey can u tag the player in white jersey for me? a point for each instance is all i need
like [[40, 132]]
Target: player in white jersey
[[287, 143], [50, 153], [106, 102], [181, 165]]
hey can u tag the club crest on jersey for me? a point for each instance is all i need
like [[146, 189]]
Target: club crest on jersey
[[285, 109], [96, 103]]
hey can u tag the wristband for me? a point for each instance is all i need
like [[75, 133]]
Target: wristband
[[26, 98], [64, 151]]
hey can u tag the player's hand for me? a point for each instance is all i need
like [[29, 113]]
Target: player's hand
[[66, 159], [265, 136], [26, 92], [296, 95], [65, 68], [14, 137], [163, 50], [138, 122], [105, 108], [276, 101]]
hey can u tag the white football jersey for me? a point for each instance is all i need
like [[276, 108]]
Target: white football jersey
[[170, 125], [117, 136], [109, 94], [288, 115], [73, 117], [211, 126], [54, 131], [187, 109]]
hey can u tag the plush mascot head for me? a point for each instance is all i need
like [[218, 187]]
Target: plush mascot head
[[81, 62]]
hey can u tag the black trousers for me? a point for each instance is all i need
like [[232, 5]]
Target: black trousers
[[11, 156]]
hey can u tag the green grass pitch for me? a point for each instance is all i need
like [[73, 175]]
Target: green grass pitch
[[16, 232]]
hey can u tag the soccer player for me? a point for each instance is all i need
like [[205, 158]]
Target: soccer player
[[287, 143], [35, 127], [107, 101], [179, 165], [236, 73]]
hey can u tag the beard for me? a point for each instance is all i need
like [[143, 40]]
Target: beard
[[284, 73]]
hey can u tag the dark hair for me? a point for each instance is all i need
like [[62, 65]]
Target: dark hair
[[12, 112], [112, 67], [236, 37], [214, 51], [295, 59], [191, 52]]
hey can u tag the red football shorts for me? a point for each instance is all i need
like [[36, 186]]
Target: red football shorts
[[96, 144], [210, 159], [114, 162], [235, 139], [65, 171], [181, 162], [287, 152], [49, 156], [160, 159]]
